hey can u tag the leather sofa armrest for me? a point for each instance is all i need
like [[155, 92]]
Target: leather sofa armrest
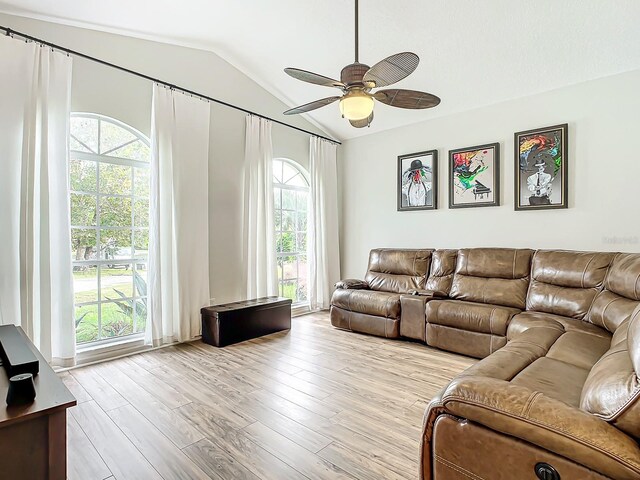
[[427, 293], [538, 419], [352, 284]]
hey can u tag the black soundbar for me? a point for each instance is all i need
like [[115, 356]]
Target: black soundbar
[[16, 355]]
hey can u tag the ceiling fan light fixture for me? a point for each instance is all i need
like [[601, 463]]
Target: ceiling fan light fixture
[[356, 105]]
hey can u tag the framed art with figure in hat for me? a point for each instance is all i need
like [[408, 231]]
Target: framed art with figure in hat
[[418, 181], [541, 165], [474, 176]]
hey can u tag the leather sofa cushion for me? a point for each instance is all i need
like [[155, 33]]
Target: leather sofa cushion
[[498, 276], [566, 283], [527, 320], [624, 276], [364, 323], [443, 266], [612, 389], [474, 317], [621, 295], [397, 270], [507, 263], [579, 348], [381, 304]]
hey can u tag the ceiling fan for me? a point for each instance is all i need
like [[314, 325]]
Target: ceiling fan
[[357, 81]]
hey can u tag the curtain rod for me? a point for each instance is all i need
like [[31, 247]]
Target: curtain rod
[[11, 32]]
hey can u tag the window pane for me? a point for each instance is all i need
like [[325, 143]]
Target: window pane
[[286, 243], [277, 171], [134, 151], [288, 172], [302, 201], [115, 179], [82, 174], [116, 282], [277, 204], [141, 213], [298, 181], [141, 243], [288, 199], [86, 323], [301, 222], [141, 182], [289, 289], [83, 210], [83, 244], [117, 319], [115, 212], [277, 220], [113, 136], [288, 221], [86, 131], [140, 280], [289, 268], [85, 283], [76, 146], [141, 314], [301, 242], [115, 244]]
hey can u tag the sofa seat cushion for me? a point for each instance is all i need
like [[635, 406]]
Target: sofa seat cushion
[[470, 316], [555, 379], [531, 319], [380, 304]]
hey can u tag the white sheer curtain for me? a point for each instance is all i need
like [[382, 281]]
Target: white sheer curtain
[[179, 228], [324, 250], [258, 234], [36, 284]]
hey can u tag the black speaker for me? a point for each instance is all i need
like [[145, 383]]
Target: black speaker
[[21, 389]]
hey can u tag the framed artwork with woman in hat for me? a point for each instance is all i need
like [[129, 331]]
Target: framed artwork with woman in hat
[[418, 181], [541, 158]]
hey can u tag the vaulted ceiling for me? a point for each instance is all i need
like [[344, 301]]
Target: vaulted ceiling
[[473, 53]]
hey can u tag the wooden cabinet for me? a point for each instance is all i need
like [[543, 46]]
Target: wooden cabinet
[[33, 437]]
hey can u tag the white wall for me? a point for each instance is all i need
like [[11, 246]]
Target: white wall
[[100, 89], [604, 166]]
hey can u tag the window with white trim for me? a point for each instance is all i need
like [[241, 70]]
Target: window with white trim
[[109, 180], [291, 199]]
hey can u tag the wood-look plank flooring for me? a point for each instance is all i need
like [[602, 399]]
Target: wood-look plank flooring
[[312, 403]]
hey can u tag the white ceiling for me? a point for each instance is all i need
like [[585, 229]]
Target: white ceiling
[[473, 53]]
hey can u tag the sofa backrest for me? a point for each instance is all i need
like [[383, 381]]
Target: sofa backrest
[[566, 282], [612, 389], [443, 267], [498, 276], [398, 270], [621, 294]]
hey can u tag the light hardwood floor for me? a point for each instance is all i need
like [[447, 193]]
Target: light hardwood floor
[[311, 403]]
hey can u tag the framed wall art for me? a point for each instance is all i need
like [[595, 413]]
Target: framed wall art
[[418, 181], [541, 166], [474, 176]]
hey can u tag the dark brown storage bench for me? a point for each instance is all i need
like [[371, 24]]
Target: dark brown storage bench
[[235, 322]]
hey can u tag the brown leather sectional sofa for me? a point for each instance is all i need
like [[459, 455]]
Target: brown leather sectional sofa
[[556, 394]]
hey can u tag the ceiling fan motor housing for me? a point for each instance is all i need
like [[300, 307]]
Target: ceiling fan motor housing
[[353, 73]]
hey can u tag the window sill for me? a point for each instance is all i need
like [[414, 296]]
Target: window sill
[[116, 348]]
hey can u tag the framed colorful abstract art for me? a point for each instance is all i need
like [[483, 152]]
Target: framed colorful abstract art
[[418, 181], [541, 168], [474, 176]]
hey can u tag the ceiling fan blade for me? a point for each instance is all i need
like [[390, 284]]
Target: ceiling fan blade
[[406, 98], [365, 122], [315, 78], [307, 107], [391, 70]]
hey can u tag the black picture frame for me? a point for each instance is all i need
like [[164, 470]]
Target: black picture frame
[[407, 165], [480, 190], [542, 148]]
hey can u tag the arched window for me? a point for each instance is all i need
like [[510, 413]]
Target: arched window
[[109, 179], [291, 198]]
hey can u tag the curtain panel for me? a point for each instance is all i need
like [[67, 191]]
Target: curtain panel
[[36, 283], [323, 244], [259, 231], [179, 224]]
